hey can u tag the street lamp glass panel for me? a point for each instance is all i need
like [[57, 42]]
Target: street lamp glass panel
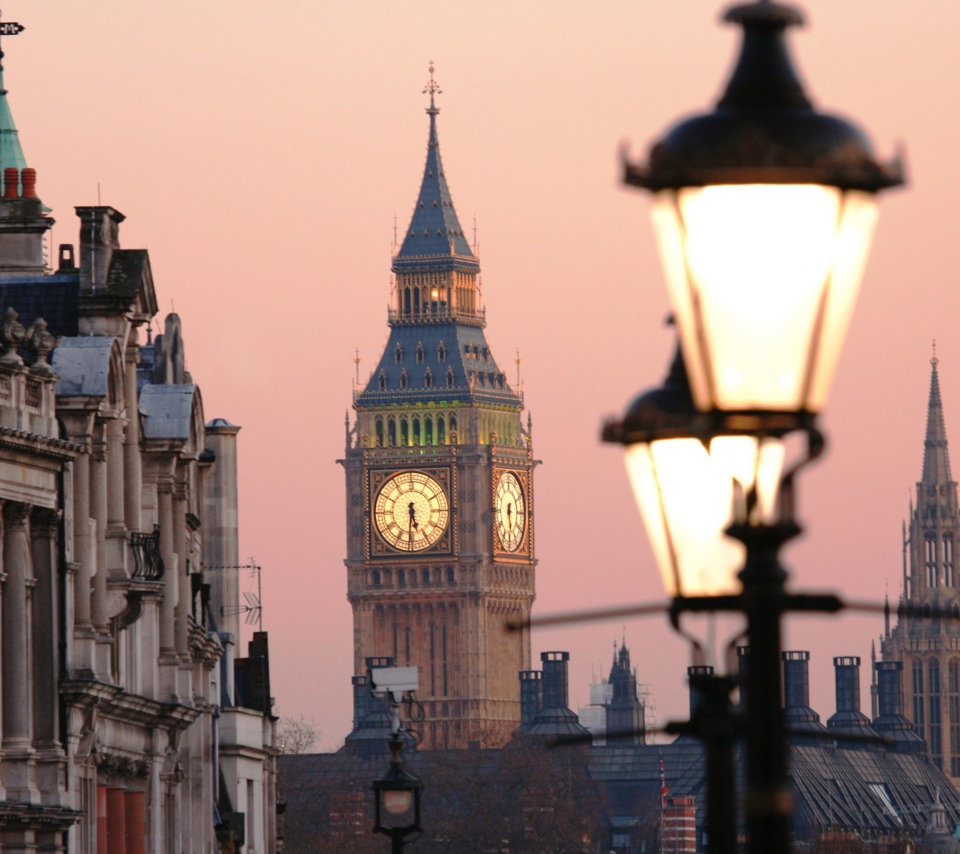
[[397, 801], [763, 279], [687, 496]]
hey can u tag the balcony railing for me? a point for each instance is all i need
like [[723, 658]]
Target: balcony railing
[[148, 565], [442, 314]]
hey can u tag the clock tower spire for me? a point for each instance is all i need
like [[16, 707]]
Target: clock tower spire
[[439, 472]]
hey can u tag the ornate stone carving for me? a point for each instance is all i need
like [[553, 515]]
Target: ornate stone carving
[[45, 522], [42, 343], [16, 514], [12, 334]]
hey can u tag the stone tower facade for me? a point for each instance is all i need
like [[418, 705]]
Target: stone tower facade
[[928, 647], [439, 477]]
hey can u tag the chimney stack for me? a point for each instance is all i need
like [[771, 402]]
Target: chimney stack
[[555, 679], [848, 718], [891, 721], [696, 698], [797, 713], [531, 696]]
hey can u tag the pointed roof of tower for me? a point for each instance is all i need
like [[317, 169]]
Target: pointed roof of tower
[[11, 154], [936, 457], [434, 230]]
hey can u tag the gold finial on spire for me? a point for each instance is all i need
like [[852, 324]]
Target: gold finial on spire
[[934, 361], [432, 88]]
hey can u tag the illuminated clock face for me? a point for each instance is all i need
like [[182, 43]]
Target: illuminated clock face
[[511, 513], [411, 511]]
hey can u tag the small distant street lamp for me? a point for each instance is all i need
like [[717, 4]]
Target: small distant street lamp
[[397, 800], [763, 212]]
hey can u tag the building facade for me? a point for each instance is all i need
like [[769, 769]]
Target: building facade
[[928, 647], [439, 482], [119, 715]]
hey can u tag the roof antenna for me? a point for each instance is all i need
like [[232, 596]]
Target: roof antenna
[[150, 332]]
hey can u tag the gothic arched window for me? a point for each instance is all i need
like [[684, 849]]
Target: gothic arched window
[[416, 429], [919, 718], [379, 431], [930, 561], [398, 354], [451, 378], [404, 431], [453, 429], [441, 353], [391, 431], [401, 578], [428, 431], [406, 301], [404, 378], [441, 430], [948, 578], [419, 354], [382, 381], [953, 711], [428, 379], [935, 742]]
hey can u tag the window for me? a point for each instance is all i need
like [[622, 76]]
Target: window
[[453, 429], [918, 713], [404, 431], [401, 578], [382, 381], [379, 431], [948, 579], [404, 378], [936, 739], [416, 429], [398, 354], [391, 432], [428, 430], [425, 577], [406, 301], [419, 354], [428, 379], [376, 578], [441, 430], [953, 710], [930, 561], [452, 579], [441, 353], [444, 653], [451, 378]]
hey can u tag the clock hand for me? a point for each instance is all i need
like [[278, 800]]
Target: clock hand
[[413, 515]]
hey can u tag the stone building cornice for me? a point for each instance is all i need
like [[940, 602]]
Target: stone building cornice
[[112, 701]]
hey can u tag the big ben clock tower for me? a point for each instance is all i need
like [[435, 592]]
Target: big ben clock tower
[[440, 505]]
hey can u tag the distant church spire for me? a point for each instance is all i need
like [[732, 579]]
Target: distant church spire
[[936, 457]]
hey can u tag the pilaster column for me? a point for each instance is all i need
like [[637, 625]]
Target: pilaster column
[[17, 647], [182, 549], [170, 572], [81, 539], [115, 481], [98, 512], [44, 528], [132, 464]]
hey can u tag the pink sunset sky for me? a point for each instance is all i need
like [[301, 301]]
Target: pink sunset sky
[[260, 151]]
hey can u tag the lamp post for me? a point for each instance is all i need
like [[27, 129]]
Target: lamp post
[[763, 212], [397, 800]]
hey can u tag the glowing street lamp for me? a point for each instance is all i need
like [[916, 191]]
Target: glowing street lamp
[[763, 211], [397, 800], [690, 489]]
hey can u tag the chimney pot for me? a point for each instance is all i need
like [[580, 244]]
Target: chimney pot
[[11, 182], [695, 696], [29, 179], [796, 678]]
